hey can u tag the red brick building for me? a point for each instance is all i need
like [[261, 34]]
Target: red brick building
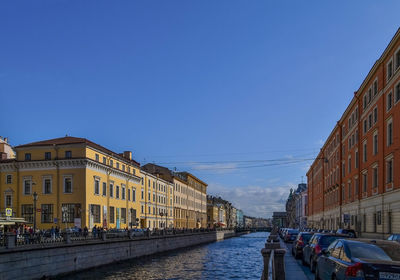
[[355, 180]]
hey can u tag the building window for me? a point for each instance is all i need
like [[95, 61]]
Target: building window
[[123, 167], [117, 165], [389, 171], [68, 154], [96, 186], [375, 150], [133, 195], [389, 101], [365, 181], [117, 192], [104, 188], [356, 159], [28, 156], [68, 184], [95, 210], [349, 164], [375, 177], [123, 192], [104, 160], [379, 218], [142, 194], [47, 213], [389, 70], [397, 59], [70, 211], [8, 201], [112, 215], [47, 155], [365, 151], [375, 87], [47, 185], [111, 163], [27, 186], [8, 179], [111, 190], [141, 209], [129, 194], [397, 93], [365, 126], [27, 212], [375, 115], [97, 157], [356, 186], [123, 215], [349, 190], [389, 132]]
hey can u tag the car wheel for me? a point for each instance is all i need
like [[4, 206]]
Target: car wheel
[[312, 265], [303, 261], [316, 276]]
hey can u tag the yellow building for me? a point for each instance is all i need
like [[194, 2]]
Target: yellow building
[[77, 182], [156, 210], [189, 198]]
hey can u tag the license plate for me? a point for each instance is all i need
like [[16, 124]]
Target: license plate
[[389, 276]]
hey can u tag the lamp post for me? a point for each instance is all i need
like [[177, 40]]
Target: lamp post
[[161, 214], [35, 198], [166, 223]]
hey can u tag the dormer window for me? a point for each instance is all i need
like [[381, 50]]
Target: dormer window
[[389, 70], [27, 156]]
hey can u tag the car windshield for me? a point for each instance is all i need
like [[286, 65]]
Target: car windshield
[[328, 239], [367, 251]]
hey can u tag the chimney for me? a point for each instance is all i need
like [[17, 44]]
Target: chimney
[[128, 155]]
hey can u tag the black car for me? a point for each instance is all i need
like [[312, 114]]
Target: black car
[[290, 235], [301, 240], [350, 232], [394, 237], [352, 259], [317, 243]]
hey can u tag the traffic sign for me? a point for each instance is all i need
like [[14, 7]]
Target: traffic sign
[[8, 212]]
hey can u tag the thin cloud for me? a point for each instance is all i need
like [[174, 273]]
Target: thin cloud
[[253, 200]]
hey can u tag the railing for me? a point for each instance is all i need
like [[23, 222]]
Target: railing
[[11, 240]]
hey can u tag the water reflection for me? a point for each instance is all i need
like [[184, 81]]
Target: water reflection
[[235, 258]]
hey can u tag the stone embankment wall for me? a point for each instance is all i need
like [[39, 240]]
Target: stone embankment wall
[[37, 262]]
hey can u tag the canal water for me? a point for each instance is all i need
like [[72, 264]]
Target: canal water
[[234, 258]]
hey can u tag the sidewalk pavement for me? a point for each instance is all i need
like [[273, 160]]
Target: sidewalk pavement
[[293, 270]]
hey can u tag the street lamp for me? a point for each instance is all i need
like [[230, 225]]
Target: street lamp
[[166, 216], [35, 198], [161, 214]]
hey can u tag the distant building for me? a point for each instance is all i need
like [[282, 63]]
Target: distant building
[[6, 151], [239, 218], [301, 206], [248, 221], [279, 219]]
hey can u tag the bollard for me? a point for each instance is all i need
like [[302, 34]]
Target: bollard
[[266, 253], [11, 240], [280, 263], [272, 245], [103, 236]]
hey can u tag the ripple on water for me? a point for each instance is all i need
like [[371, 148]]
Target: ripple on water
[[235, 258]]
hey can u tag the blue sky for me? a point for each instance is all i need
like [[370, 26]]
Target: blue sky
[[240, 93]]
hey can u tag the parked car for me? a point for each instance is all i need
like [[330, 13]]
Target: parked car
[[317, 243], [394, 237], [350, 232], [302, 239], [290, 235], [352, 259], [137, 232]]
